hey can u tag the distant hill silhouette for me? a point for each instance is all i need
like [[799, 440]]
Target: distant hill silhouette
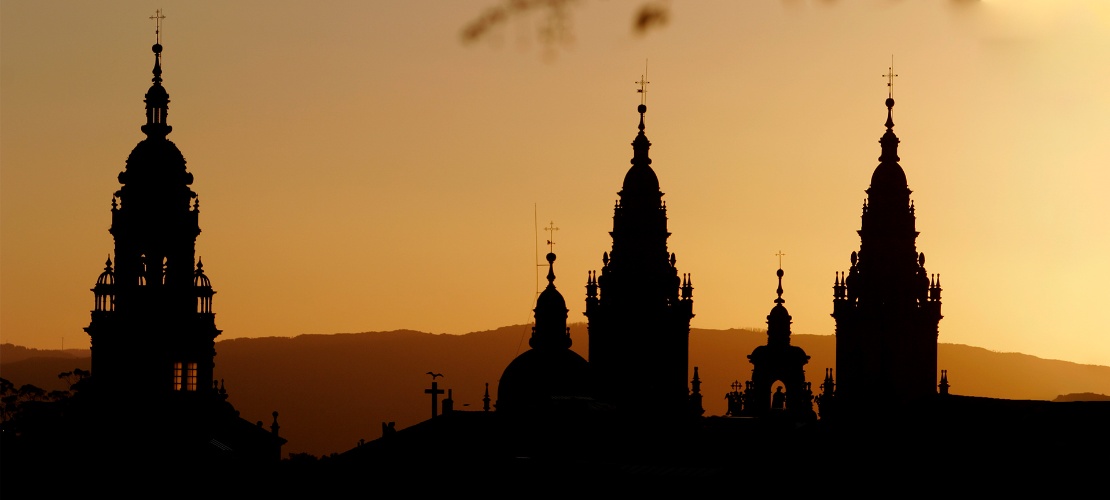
[[40, 367], [332, 390], [1086, 396]]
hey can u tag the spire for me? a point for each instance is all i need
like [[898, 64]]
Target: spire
[[696, 408], [888, 183], [778, 322], [640, 144], [157, 100], [779, 300], [551, 269], [889, 141], [641, 185]]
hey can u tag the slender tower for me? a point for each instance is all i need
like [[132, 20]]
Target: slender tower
[[638, 307], [887, 308], [153, 331]]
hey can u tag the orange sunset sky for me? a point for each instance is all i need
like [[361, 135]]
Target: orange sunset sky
[[361, 168]]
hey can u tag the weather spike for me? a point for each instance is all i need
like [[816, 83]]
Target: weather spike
[[643, 83], [551, 236], [890, 78], [158, 17]]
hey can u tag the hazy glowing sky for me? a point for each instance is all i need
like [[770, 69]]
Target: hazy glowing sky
[[360, 168]]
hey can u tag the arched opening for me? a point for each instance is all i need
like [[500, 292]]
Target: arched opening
[[778, 396]]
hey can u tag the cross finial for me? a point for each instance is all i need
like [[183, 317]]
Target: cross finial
[[551, 236], [158, 17], [890, 78], [643, 83], [780, 255]]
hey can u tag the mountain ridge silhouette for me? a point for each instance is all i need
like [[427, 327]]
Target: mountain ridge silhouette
[[332, 390]]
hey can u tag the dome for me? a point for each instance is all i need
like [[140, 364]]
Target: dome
[[640, 178], [157, 91], [551, 302], [551, 315], [539, 377], [779, 315], [155, 158], [107, 277], [201, 280], [887, 176]]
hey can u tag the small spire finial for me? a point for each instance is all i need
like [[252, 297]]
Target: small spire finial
[[890, 80], [642, 108], [157, 17], [551, 236], [551, 268], [779, 300], [643, 83], [890, 95], [157, 100], [551, 252]]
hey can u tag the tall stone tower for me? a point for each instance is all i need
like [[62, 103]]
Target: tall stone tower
[[153, 330], [638, 307], [888, 307]]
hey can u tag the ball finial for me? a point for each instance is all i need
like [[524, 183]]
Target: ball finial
[[550, 257], [642, 108], [157, 48], [890, 102]]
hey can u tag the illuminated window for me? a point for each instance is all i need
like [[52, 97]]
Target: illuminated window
[[177, 376], [190, 376]]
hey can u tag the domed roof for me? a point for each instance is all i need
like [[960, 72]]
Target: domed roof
[[889, 175], [155, 151], [640, 179], [156, 159], [537, 376], [199, 278], [107, 277], [551, 302], [779, 315]]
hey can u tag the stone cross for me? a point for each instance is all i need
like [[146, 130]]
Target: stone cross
[[435, 391]]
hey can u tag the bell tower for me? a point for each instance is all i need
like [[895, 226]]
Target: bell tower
[[638, 307], [153, 330], [887, 308]]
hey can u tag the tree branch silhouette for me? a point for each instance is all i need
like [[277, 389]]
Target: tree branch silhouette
[[554, 28]]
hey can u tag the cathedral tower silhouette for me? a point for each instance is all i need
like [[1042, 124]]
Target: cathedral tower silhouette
[[638, 307], [153, 330], [887, 309]]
